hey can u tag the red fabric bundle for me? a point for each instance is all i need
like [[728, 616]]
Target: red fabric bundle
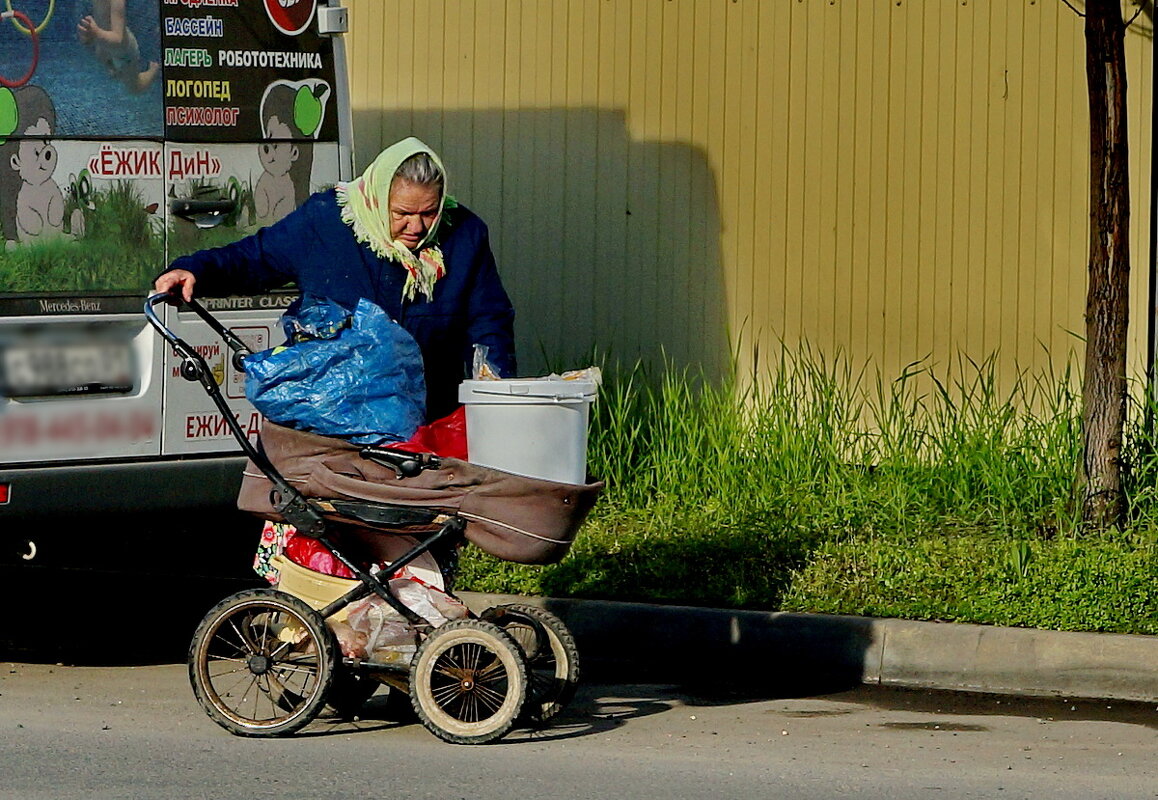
[[444, 437], [312, 554]]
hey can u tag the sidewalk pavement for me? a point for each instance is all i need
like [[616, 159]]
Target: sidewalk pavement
[[788, 654]]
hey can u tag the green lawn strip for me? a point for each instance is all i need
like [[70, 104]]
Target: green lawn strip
[[828, 489], [1091, 584]]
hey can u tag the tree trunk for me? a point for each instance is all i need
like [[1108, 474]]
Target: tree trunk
[[1107, 298]]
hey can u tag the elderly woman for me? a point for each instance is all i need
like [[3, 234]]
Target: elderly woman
[[394, 237]]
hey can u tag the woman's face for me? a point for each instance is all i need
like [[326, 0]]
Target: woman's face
[[413, 208]]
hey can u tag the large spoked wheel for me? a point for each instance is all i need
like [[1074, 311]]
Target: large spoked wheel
[[552, 657], [468, 682], [261, 663]]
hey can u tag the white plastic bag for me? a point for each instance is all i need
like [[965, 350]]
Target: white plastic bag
[[388, 635]]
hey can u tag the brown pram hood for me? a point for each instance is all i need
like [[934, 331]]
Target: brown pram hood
[[515, 518]]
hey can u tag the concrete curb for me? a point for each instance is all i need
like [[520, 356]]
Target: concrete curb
[[787, 654]]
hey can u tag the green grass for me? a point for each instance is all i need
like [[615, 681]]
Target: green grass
[[826, 488], [1098, 582], [122, 249]]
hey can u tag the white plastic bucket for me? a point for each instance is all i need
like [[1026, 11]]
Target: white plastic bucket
[[536, 427]]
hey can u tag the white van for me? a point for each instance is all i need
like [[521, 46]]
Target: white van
[[134, 131]]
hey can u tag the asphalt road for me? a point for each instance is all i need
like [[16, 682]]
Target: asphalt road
[[136, 732]]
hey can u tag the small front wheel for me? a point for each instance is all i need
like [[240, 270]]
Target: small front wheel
[[261, 663], [551, 654], [468, 682]]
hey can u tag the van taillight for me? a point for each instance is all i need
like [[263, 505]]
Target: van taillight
[[3, 494]]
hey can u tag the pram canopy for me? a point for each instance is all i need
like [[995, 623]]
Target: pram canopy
[[515, 518]]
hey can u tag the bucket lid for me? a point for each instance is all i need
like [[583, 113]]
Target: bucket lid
[[555, 390]]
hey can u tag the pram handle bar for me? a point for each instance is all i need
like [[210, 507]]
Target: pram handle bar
[[288, 501], [240, 349]]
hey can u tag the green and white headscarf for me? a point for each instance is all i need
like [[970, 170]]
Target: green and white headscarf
[[365, 203]]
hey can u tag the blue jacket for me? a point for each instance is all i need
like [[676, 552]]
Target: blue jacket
[[314, 250]]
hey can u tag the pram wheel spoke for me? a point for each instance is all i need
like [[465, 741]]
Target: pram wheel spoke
[[468, 682], [261, 663], [551, 654]]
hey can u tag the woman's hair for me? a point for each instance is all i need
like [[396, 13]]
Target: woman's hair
[[420, 169]]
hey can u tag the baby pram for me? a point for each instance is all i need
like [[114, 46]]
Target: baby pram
[[264, 662]]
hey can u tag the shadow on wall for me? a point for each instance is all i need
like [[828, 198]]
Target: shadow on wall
[[609, 247]]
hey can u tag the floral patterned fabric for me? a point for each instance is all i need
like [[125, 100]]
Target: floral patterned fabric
[[272, 543]]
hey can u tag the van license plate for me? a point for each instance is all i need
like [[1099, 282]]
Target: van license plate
[[65, 369]]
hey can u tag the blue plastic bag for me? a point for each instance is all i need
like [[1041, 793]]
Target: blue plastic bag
[[358, 377]]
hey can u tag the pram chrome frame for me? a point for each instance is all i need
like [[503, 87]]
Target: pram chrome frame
[[517, 635], [306, 514]]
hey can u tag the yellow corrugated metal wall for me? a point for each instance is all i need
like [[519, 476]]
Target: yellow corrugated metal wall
[[893, 179]]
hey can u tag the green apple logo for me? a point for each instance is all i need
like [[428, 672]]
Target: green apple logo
[[9, 114], [307, 111]]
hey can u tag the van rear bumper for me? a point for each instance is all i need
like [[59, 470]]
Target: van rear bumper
[[189, 484], [175, 519]]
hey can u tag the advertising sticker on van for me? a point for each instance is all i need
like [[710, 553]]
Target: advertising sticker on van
[[132, 132], [222, 62], [220, 99]]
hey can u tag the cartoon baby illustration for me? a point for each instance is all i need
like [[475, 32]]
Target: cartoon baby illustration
[[289, 111], [27, 165], [273, 197], [107, 33]]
